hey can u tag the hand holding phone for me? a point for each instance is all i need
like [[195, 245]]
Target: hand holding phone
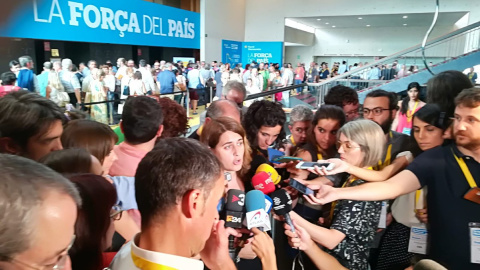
[[311, 165], [300, 187]]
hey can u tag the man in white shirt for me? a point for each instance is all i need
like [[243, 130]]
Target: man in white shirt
[[178, 186], [147, 77]]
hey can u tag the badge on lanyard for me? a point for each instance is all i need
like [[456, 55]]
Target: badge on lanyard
[[418, 239], [474, 193], [474, 242]]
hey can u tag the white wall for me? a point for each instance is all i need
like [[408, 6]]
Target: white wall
[[296, 54], [298, 36], [220, 19], [264, 20]]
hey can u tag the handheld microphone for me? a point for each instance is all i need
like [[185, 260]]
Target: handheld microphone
[[234, 207], [276, 178], [268, 204], [282, 205], [256, 215], [262, 181]]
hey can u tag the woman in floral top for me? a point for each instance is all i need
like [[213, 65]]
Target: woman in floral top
[[353, 223]]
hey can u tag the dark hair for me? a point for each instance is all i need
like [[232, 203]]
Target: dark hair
[[263, 113], [431, 114], [405, 100], [73, 68], [137, 75], [175, 122], [8, 78], [93, 220], [141, 118], [213, 130], [469, 98], [325, 112], [13, 63], [341, 95], [444, 87], [69, 161], [96, 137], [142, 63], [24, 114], [392, 98], [174, 167]]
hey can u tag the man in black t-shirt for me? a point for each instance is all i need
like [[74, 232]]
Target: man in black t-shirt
[[449, 212]]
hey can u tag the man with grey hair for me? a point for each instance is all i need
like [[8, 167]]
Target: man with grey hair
[[70, 82], [26, 78], [300, 121], [38, 209], [147, 77], [167, 80], [233, 91], [219, 108], [43, 78]]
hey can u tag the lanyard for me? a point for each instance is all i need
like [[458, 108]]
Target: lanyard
[[388, 157], [293, 141], [418, 196], [411, 112], [319, 155], [144, 264], [465, 170]]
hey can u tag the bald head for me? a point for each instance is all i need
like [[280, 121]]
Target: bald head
[[225, 108]]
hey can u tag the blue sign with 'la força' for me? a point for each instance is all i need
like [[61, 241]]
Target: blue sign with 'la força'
[[130, 22]]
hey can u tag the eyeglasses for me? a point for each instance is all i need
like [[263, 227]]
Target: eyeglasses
[[116, 212], [347, 146], [352, 112], [58, 265], [376, 111]]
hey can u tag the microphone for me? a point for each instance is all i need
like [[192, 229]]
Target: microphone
[[282, 205], [268, 204], [276, 178], [234, 209], [262, 181], [428, 265], [256, 214]]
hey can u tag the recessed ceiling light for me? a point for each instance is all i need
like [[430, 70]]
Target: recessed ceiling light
[[333, 26], [404, 24], [405, 16], [368, 25], [360, 18], [327, 23], [319, 19]]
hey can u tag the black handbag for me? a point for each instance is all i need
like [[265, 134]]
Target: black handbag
[[126, 89]]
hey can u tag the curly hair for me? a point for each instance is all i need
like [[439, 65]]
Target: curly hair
[[340, 96], [263, 113], [175, 121]]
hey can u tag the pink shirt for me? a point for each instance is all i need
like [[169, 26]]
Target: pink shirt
[[299, 73], [128, 159]]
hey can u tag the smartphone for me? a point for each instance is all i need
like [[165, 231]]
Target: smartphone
[[300, 187], [285, 159], [311, 165]]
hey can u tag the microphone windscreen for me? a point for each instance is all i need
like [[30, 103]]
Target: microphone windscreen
[[235, 200], [428, 265], [270, 171], [262, 181], [268, 204], [254, 200], [282, 202]]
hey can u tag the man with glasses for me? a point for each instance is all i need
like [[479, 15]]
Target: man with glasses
[[38, 209], [381, 107], [300, 121]]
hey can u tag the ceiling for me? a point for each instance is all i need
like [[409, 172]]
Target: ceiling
[[383, 20]]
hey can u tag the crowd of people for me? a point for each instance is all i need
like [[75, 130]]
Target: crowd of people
[[76, 192]]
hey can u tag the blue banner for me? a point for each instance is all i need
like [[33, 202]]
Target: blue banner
[[131, 22], [231, 52], [262, 52]]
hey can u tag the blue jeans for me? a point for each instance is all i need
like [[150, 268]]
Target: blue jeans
[[110, 96], [299, 89]]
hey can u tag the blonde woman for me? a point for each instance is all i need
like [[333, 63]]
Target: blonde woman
[[352, 223], [56, 91], [98, 93]]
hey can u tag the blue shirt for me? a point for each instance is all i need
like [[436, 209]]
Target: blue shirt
[[166, 79], [43, 83]]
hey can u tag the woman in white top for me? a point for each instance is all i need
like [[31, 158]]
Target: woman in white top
[[55, 90], [137, 87], [251, 89], [125, 81]]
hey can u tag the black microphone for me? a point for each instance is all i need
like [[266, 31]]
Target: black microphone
[[282, 205], [234, 211]]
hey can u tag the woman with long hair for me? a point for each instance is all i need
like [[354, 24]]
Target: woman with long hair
[[352, 223], [55, 90], [408, 106], [98, 92], [94, 226], [72, 161]]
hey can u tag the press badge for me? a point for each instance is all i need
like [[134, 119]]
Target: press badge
[[474, 242], [382, 224], [418, 239], [407, 131]]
